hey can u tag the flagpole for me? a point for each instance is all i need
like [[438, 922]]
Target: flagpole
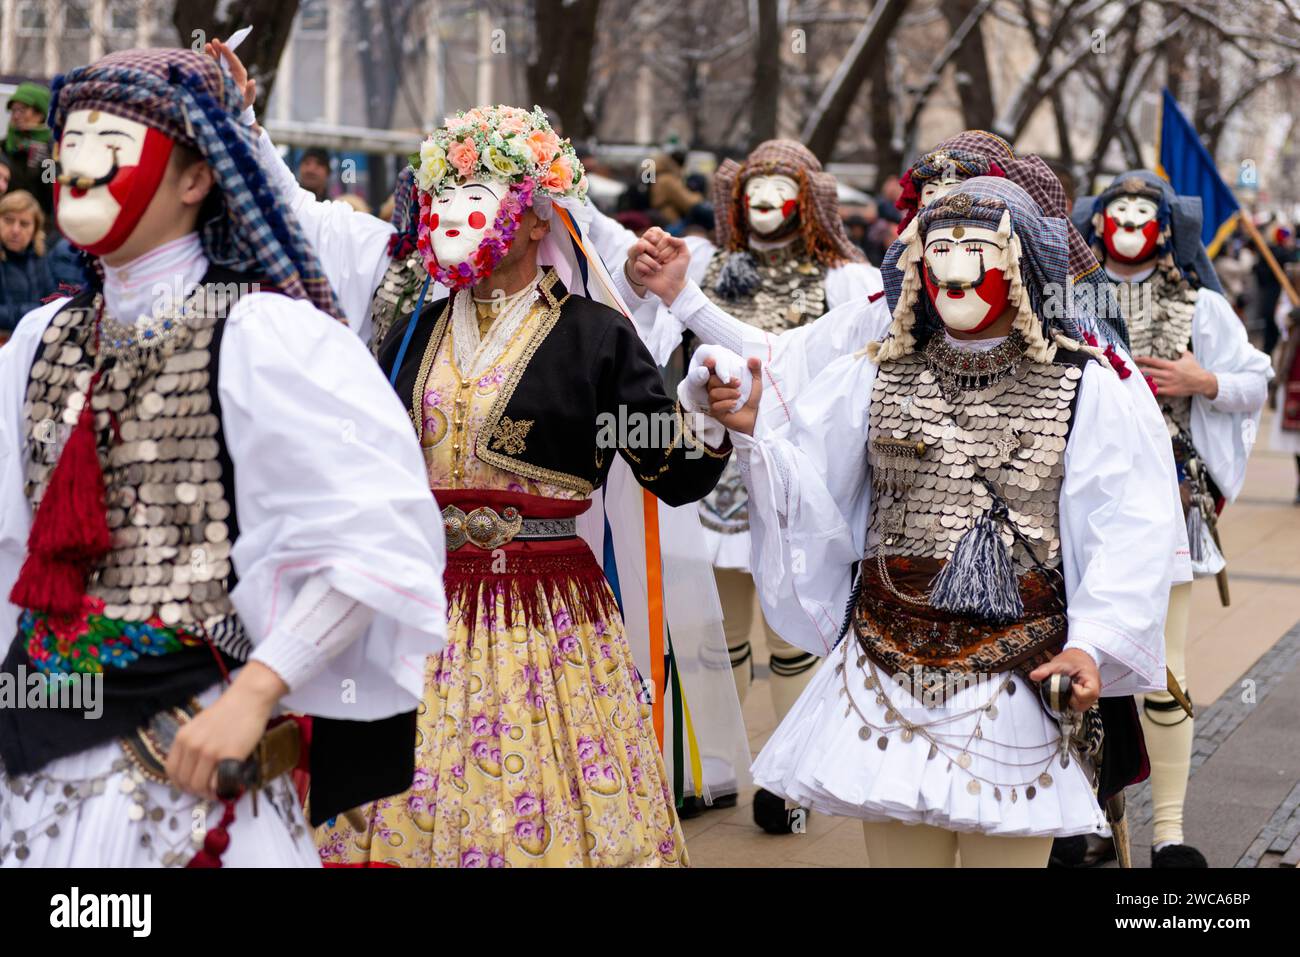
[[1278, 272]]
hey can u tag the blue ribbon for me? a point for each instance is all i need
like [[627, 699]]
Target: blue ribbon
[[410, 332]]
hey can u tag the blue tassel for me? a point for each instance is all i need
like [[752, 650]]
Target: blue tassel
[[738, 277], [980, 579]]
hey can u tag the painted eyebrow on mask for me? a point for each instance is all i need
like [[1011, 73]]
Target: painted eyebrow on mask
[[116, 133], [481, 186]]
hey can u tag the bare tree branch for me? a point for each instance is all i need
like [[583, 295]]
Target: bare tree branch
[[823, 127], [935, 73]]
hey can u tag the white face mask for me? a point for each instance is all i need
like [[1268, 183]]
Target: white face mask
[[938, 188], [87, 150], [770, 201], [1131, 214], [459, 217], [966, 275]]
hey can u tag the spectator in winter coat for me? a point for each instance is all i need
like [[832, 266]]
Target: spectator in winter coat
[[25, 278]]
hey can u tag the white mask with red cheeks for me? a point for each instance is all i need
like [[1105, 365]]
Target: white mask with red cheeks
[[967, 274], [938, 188], [1130, 228], [460, 215], [771, 204], [109, 171]]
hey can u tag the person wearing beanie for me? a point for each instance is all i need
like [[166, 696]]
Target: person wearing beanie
[[27, 143]]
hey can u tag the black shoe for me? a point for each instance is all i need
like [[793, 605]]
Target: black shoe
[[1082, 850], [1178, 855], [771, 815], [694, 806]]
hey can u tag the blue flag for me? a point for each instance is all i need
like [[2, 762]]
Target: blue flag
[[1190, 170]]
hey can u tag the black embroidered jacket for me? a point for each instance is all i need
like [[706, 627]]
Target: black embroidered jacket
[[585, 387]]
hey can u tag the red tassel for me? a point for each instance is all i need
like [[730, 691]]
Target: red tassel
[[70, 533], [215, 841]]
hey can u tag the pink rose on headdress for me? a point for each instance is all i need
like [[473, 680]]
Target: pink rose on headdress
[[464, 156], [516, 122], [559, 177], [543, 144]]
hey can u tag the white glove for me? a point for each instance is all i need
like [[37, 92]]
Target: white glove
[[693, 391]]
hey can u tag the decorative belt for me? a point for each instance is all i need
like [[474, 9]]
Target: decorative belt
[[487, 528]]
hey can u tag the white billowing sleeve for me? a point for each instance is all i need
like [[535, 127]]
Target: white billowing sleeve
[[852, 282], [809, 504], [1157, 431], [793, 358], [15, 511], [322, 622], [1224, 428], [333, 502], [660, 326], [352, 246], [1119, 524]]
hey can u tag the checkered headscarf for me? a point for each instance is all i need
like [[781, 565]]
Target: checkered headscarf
[[819, 210], [1041, 268], [183, 95]]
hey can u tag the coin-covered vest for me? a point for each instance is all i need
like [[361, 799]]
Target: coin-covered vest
[[791, 292], [396, 297], [162, 593], [1159, 313], [948, 429]]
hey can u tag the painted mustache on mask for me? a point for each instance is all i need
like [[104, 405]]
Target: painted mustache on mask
[[957, 286], [74, 181]]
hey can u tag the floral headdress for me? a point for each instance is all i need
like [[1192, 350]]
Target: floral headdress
[[499, 143]]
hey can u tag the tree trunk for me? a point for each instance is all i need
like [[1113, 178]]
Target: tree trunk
[[972, 68], [823, 128], [766, 98], [888, 157], [198, 21], [558, 72]]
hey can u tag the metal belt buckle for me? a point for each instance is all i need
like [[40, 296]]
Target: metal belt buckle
[[483, 527]]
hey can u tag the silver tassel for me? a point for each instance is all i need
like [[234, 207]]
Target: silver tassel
[[980, 580], [1196, 532]]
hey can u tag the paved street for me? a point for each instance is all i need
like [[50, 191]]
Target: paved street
[[1243, 807]]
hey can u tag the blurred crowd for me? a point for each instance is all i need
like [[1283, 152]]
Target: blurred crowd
[[36, 262]]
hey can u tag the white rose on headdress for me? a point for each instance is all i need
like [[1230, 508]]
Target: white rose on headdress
[[433, 166], [499, 162]]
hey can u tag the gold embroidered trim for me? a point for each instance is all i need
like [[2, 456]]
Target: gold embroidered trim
[[695, 440], [510, 436], [426, 363], [540, 331]]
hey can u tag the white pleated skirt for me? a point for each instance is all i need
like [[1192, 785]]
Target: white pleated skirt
[[819, 759]]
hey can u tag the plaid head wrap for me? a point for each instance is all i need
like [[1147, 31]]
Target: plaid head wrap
[[183, 94], [969, 154], [1178, 246], [972, 150], [819, 211], [1039, 273], [406, 215]]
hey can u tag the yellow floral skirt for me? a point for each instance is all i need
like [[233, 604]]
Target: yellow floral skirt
[[535, 746]]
